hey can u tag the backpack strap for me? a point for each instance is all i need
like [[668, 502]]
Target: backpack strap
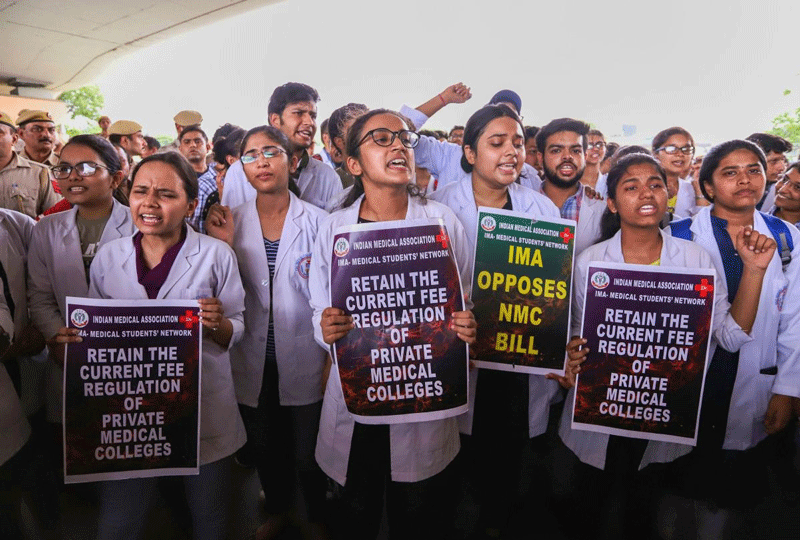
[[682, 228], [780, 231]]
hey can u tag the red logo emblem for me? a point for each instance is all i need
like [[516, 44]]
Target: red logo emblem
[[443, 239], [190, 320], [704, 287], [566, 235]]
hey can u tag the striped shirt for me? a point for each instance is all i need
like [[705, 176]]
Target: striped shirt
[[272, 255]]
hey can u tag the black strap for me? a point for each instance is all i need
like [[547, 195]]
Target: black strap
[[7, 291]]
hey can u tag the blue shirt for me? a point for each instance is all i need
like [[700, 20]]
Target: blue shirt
[[730, 258]]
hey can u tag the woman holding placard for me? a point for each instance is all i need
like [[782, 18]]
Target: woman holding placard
[[280, 391], [506, 409], [607, 480], [64, 244], [412, 461], [167, 259], [748, 393]]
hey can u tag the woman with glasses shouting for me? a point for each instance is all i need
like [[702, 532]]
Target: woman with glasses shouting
[[277, 366], [412, 462], [674, 149], [64, 244]]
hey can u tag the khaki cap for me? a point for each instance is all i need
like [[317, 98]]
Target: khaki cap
[[124, 127], [27, 115], [188, 118], [5, 119]]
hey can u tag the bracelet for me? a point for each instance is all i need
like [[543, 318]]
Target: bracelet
[[443, 101]]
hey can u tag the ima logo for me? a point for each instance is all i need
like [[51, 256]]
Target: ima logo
[[600, 280], [79, 318], [488, 224], [341, 247], [302, 265]]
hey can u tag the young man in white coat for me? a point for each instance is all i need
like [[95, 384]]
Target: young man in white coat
[[293, 110]]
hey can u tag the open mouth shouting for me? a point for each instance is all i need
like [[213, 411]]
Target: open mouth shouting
[[647, 209], [567, 169], [150, 219], [398, 164]]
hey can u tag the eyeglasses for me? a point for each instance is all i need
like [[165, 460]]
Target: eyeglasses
[[599, 145], [84, 169], [672, 149], [268, 152], [385, 137]]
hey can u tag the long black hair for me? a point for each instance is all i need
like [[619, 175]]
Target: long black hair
[[179, 164], [610, 222], [100, 146], [353, 149], [714, 156], [283, 141], [477, 123]]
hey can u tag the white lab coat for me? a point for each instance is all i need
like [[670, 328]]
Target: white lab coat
[[203, 266], [16, 230], [55, 271], [318, 184], [419, 450], [56, 263], [776, 333], [300, 360], [15, 233], [590, 447], [588, 230], [461, 199], [685, 205]]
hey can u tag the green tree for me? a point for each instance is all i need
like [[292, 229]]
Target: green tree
[[84, 105], [787, 125]]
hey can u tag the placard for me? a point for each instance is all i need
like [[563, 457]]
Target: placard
[[132, 389], [648, 331], [521, 291], [400, 283]]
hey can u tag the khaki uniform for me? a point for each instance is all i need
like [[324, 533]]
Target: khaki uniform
[[50, 161], [25, 187]]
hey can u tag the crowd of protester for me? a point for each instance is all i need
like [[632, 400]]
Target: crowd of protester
[[239, 206]]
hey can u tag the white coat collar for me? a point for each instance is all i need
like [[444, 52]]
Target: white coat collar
[[416, 209], [251, 229], [670, 250], [182, 264], [115, 227]]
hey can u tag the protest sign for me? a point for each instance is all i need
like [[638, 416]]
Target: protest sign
[[648, 333], [400, 283], [521, 290], [132, 389]]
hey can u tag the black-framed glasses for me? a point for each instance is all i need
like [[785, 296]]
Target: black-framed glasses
[[268, 152], [673, 149], [84, 169], [385, 137], [599, 145]]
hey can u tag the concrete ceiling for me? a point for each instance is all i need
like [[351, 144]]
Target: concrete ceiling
[[64, 44]]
